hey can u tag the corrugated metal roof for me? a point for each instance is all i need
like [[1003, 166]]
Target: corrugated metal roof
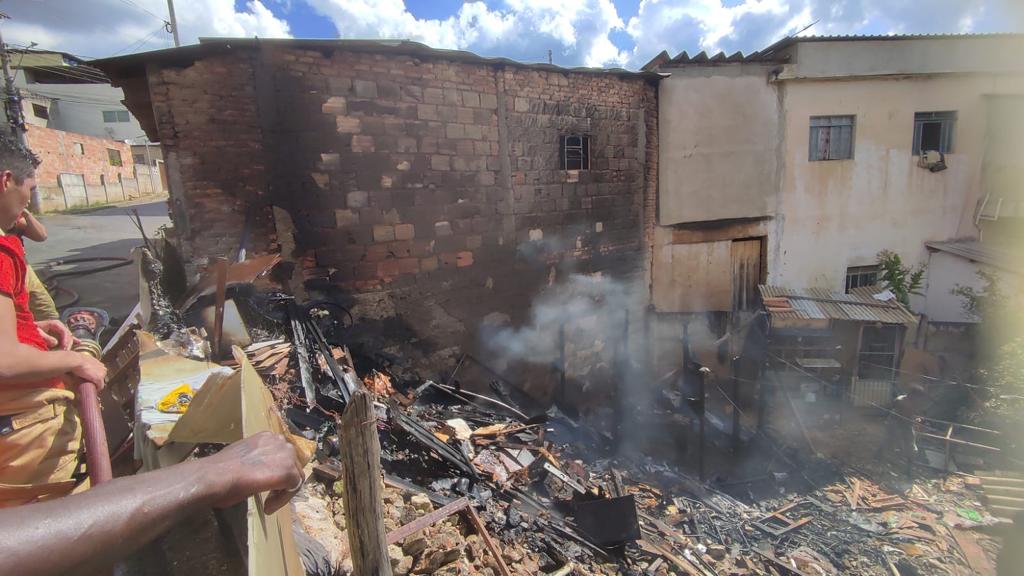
[[977, 252], [774, 52], [821, 304]]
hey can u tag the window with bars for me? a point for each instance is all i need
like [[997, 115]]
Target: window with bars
[[857, 276], [574, 152], [113, 116], [831, 138], [933, 131]]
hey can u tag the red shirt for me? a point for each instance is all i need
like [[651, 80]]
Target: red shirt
[[12, 285]]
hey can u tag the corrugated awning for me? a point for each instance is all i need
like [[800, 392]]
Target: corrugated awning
[[820, 304]]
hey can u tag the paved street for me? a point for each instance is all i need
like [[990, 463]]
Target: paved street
[[103, 232]]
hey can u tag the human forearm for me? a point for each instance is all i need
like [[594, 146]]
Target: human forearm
[[89, 532], [34, 229], [22, 363]]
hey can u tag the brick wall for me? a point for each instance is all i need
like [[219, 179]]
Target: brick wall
[[212, 143], [428, 192], [60, 153]]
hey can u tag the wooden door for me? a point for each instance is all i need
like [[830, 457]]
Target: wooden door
[[747, 272]]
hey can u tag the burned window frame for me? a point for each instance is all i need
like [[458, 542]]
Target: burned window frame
[[580, 159], [833, 126], [859, 273], [946, 121]]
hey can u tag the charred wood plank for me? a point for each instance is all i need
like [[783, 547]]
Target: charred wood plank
[[478, 525], [362, 488], [427, 520], [299, 340]]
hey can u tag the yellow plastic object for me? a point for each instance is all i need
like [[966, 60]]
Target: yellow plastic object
[[177, 401]]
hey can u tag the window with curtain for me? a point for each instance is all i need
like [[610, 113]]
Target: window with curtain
[[831, 138]]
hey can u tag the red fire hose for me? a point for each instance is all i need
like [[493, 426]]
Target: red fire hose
[[97, 455]]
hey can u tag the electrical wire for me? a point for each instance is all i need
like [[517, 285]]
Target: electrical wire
[[932, 378], [139, 43], [134, 5]]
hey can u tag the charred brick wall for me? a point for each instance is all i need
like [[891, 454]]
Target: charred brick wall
[[427, 192], [209, 129]]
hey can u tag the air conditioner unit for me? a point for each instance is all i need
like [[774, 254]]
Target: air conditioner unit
[[933, 160]]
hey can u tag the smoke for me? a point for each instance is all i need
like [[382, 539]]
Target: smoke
[[586, 308]]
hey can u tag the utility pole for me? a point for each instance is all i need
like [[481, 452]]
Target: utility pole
[[12, 105], [173, 23]]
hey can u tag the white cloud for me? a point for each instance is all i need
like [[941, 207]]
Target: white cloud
[[576, 32], [97, 28]]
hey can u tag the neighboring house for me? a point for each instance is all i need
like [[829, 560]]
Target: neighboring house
[[796, 165], [64, 92]]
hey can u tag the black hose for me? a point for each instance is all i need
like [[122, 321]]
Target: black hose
[[50, 281]]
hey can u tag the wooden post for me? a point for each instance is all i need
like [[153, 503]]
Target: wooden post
[[220, 268], [736, 403], [363, 490], [703, 408]]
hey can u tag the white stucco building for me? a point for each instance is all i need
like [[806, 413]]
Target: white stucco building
[[796, 165]]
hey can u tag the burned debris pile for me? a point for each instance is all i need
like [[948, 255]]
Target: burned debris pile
[[477, 483]]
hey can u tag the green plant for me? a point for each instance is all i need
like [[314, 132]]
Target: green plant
[[988, 304], [901, 280]]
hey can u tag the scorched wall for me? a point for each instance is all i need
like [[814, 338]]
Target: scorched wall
[[426, 192]]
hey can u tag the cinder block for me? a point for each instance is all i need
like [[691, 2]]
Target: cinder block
[[357, 199], [383, 233], [471, 99], [365, 88], [335, 105], [362, 143], [348, 125], [405, 232], [443, 228], [440, 162], [345, 218]]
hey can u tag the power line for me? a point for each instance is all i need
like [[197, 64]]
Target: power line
[[134, 5], [139, 43]]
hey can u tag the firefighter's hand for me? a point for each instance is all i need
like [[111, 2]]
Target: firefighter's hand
[[56, 334], [264, 462], [90, 370]]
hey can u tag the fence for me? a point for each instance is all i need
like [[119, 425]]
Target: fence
[[72, 191]]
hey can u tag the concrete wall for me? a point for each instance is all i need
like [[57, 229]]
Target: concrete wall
[[964, 55], [720, 141], [79, 108], [841, 213]]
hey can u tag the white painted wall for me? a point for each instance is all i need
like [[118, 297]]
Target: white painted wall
[[841, 213], [79, 108], [718, 143]]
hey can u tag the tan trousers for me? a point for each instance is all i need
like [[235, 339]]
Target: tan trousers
[[39, 300], [40, 441]]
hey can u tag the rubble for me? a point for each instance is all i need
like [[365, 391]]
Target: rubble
[[474, 484]]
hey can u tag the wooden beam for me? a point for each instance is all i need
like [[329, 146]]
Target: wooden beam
[[363, 489], [427, 520], [478, 525]]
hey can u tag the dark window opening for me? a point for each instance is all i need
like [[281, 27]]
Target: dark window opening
[[857, 276], [575, 153], [112, 116], [878, 347], [831, 138], [114, 156], [40, 111], [933, 131]]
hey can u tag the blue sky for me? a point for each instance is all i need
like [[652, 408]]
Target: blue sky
[[623, 33]]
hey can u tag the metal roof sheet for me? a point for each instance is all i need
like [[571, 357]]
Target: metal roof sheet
[[821, 304], [977, 252]]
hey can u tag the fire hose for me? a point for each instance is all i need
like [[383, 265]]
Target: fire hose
[[97, 455], [50, 281]]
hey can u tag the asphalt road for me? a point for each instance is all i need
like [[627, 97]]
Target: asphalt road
[[102, 232]]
